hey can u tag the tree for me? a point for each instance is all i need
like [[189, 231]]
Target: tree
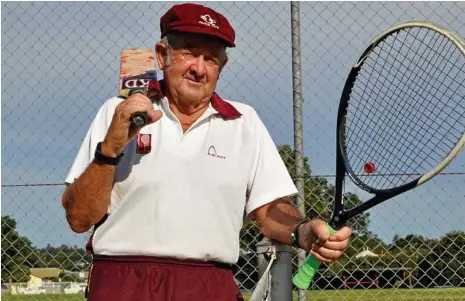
[[315, 189], [69, 258], [18, 254], [319, 194], [444, 264]]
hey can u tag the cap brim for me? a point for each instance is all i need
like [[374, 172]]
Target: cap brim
[[202, 30]]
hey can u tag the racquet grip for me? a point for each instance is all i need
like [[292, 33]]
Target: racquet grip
[[139, 119], [304, 276]]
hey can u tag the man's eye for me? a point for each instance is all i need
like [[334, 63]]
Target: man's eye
[[212, 60]]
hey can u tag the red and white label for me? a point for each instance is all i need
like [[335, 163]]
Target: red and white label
[[144, 142]]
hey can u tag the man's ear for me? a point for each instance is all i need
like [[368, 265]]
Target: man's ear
[[225, 61], [161, 51]]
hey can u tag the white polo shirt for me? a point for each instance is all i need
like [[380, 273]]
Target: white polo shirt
[[187, 197]]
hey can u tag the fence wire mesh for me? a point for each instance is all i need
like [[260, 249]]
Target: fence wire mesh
[[60, 61]]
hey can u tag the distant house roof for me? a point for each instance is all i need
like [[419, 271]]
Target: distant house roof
[[366, 253], [80, 274], [45, 272]]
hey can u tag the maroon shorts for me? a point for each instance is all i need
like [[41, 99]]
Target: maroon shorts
[[140, 278]]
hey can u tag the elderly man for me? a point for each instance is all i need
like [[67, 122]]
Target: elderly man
[[166, 223]]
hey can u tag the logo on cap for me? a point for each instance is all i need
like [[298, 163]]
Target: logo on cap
[[207, 20]]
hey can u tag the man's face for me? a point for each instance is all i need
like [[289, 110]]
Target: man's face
[[195, 65]]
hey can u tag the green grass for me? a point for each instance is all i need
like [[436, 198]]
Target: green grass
[[389, 294], [53, 297], [449, 294]]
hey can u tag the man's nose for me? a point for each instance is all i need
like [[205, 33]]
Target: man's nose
[[198, 66]]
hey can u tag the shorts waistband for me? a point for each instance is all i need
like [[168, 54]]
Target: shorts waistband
[[158, 260]]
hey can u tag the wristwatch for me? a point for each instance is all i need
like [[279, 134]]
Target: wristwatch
[[101, 158], [295, 234]]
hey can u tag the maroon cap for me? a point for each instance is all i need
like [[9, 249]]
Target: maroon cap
[[197, 18]]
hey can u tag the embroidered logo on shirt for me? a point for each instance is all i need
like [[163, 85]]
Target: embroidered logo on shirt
[[212, 152], [144, 143]]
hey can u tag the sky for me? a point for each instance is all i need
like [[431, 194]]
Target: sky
[[60, 62]]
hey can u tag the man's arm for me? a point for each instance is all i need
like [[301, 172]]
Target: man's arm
[[87, 199], [278, 219]]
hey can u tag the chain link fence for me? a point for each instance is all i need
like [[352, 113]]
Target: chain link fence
[[60, 61]]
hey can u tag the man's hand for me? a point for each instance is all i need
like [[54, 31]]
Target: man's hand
[[121, 129], [315, 239]]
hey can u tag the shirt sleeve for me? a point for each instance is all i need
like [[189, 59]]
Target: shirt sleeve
[[95, 134], [269, 179]]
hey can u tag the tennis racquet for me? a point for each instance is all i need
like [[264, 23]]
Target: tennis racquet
[[401, 118]]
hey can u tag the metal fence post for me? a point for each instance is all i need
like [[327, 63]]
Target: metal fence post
[[298, 127], [263, 255], [281, 269]]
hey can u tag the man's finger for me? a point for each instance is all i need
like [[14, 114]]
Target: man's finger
[[320, 258], [320, 230], [334, 245], [341, 235], [329, 254]]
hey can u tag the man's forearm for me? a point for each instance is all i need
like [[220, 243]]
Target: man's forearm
[[279, 221], [86, 201]]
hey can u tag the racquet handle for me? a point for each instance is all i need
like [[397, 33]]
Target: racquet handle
[[139, 119], [304, 276]]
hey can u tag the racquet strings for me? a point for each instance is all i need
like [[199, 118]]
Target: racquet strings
[[404, 108]]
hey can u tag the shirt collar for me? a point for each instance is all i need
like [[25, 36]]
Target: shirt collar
[[225, 109]]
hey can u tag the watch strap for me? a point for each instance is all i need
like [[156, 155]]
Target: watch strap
[[101, 158], [295, 233]]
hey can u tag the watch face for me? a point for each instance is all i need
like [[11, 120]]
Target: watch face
[[293, 238]]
